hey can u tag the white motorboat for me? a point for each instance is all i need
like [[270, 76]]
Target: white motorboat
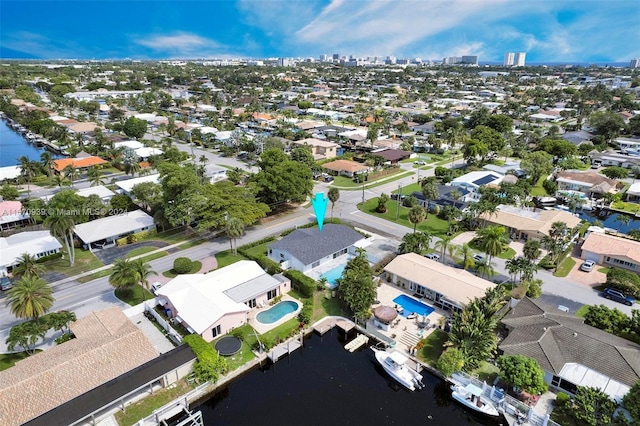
[[394, 363], [471, 396]]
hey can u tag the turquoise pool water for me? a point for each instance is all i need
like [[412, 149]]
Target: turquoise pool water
[[334, 274], [412, 305], [277, 311]]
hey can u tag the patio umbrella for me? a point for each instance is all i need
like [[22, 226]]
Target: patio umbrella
[[385, 313]]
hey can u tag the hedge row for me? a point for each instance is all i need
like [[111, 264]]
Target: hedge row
[[304, 284], [257, 243], [134, 238], [209, 365], [267, 264]]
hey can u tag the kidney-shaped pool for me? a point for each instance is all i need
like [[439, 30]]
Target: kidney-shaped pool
[[277, 311]]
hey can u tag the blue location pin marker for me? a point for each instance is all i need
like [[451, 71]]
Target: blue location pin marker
[[319, 204]]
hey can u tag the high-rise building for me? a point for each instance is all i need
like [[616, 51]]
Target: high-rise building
[[336, 57], [284, 62], [323, 58], [509, 59], [469, 60], [520, 58], [635, 63]]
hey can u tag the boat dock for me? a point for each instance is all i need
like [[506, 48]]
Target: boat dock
[[328, 323], [284, 349], [357, 342]]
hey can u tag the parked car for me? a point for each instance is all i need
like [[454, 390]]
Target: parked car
[[588, 266], [395, 196], [432, 256], [420, 163], [329, 179], [478, 258], [155, 287], [5, 283], [618, 296]]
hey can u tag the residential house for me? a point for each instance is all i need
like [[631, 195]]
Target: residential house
[[578, 137], [10, 173], [609, 250], [474, 180], [447, 196], [101, 233], [589, 183], [35, 243], [346, 168], [633, 193], [570, 352], [106, 345], [125, 186], [392, 156], [446, 287], [308, 248], [509, 167], [77, 163], [631, 146], [611, 158], [213, 304], [321, 150], [526, 224], [13, 215]]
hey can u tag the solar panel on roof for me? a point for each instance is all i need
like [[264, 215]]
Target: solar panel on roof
[[484, 180]]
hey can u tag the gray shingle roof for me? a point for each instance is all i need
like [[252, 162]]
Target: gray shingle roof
[[554, 339], [310, 244]]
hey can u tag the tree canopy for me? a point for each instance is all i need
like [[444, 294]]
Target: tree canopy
[[356, 288], [281, 179], [134, 127], [523, 373]]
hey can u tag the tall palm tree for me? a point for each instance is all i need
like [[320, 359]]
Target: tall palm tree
[[71, 173], [94, 176], [61, 226], [334, 196], [27, 265], [123, 275], [234, 228], [46, 159], [466, 252], [492, 240], [30, 298], [26, 171], [623, 219], [442, 244], [429, 192], [143, 271], [486, 269], [531, 250], [60, 181], [416, 215]]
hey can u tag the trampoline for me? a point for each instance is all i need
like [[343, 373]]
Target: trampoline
[[228, 346]]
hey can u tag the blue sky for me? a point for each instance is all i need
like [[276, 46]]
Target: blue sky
[[548, 30]]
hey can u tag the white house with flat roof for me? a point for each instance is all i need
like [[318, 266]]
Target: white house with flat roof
[[125, 186], [36, 243], [215, 303], [448, 288], [101, 233], [474, 180], [13, 215]]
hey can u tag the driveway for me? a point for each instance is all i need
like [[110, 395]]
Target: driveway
[[108, 256], [591, 279]]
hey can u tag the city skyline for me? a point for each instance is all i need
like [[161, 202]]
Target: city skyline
[[559, 31]]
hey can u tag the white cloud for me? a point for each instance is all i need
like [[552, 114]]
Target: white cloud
[[178, 41]]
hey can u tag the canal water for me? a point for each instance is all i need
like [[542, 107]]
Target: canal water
[[609, 219], [13, 145], [323, 384]]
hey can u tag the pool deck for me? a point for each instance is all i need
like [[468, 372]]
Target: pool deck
[[315, 273], [404, 331], [263, 328]]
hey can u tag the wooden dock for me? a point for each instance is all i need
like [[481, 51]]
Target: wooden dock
[[322, 327], [283, 349]]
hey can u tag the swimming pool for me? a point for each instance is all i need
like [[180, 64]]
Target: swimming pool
[[334, 274], [412, 305], [277, 311]]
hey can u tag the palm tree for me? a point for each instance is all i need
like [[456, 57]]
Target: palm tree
[[486, 269], [26, 170], [466, 252], [61, 226], [623, 219], [442, 244], [130, 161], [27, 266], [143, 271], [456, 196], [514, 267], [31, 297], [46, 159], [60, 181], [334, 196], [203, 160], [234, 228], [531, 250], [94, 176], [415, 242], [416, 215], [123, 275], [492, 240], [429, 192], [71, 173]]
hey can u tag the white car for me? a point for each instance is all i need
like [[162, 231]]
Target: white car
[[588, 266], [432, 256], [155, 287], [478, 258], [420, 163]]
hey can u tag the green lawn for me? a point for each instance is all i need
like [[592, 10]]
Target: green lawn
[[432, 348], [259, 250], [226, 258], [582, 311], [8, 360], [538, 190], [95, 276], [196, 265], [323, 306], [486, 372], [345, 182], [147, 405], [409, 189], [626, 207], [85, 261], [509, 253], [565, 267], [433, 225], [134, 296], [154, 256], [604, 270], [140, 250]]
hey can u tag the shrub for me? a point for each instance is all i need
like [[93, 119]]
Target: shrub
[[306, 312], [550, 186], [121, 241], [409, 201], [63, 338], [301, 282], [182, 265], [626, 281], [50, 257], [562, 400], [450, 361], [209, 365]]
